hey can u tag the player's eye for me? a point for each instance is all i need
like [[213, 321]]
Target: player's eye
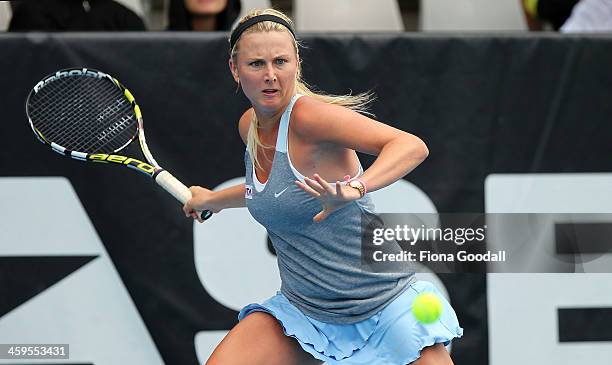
[[257, 63]]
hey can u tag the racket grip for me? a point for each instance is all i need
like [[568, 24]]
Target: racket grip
[[178, 190]]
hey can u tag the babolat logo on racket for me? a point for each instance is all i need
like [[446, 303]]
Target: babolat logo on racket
[[68, 73], [123, 160]]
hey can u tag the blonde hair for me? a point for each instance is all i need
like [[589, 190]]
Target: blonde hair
[[358, 102]]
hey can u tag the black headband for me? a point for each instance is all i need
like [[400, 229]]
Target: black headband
[[254, 20]]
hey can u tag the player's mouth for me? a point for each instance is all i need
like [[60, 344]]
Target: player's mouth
[[270, 92]]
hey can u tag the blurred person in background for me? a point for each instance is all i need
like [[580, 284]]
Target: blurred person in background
[[203, 15], [569, 16], [539, 13], [73, 15]]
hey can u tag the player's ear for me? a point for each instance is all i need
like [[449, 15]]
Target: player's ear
[[233, 69]]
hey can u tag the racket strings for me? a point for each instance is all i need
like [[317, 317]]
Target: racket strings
[[53, 118], [78, 97], [79, 129], [82, 95], [62, 126], [84, 114], [59, 124]]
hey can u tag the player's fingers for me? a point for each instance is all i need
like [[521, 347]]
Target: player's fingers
[[326, 186], [187, 209], [196, 216], [339, 191], [321, 215], [314, 185], [307, 189]]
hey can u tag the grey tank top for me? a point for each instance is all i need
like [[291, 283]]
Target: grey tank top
[[319, 263]]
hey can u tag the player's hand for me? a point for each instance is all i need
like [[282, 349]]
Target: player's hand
[[331, 198], [201, 199]]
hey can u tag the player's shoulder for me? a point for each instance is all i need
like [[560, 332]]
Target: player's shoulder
[[306, 104], [305, 111], [310, 115], [244, 123]]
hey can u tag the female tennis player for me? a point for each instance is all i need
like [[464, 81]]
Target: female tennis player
[[305, 184]]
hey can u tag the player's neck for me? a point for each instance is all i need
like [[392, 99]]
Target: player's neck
[[268, 127], [269, 119], [268, 122]]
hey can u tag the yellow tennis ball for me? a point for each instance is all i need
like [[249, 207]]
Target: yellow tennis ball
[[427, 308]]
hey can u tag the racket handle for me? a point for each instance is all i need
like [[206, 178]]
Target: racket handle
[[172, 185]]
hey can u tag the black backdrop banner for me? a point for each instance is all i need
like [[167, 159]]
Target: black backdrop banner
[[483, 105]]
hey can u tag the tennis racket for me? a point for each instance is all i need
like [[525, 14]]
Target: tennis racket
[[89, 115]]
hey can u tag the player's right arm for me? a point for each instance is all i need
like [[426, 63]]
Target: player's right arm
[[216, 201]]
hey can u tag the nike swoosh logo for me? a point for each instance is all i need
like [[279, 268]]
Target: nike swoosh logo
[[276, 195]]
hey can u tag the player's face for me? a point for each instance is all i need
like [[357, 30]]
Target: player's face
[[266, 65], [205, 7]]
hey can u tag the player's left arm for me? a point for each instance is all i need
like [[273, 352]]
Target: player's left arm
[[397, 152]]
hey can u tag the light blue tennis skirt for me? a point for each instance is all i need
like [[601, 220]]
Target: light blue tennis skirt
[[391, 336]]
